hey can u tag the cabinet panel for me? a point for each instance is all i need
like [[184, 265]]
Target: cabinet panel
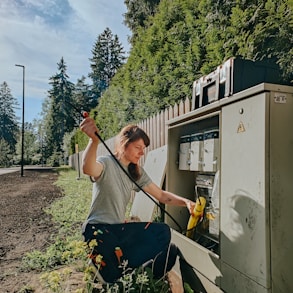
[[239, 283], [281, 191], [244, 189], [201, 259]]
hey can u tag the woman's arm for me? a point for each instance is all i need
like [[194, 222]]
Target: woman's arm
[[89, 164], [167, 197]]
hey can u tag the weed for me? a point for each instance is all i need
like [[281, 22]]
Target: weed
[[139, 280], [55, 281], [26, 289]]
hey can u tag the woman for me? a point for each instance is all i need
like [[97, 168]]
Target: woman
[[136, 243]]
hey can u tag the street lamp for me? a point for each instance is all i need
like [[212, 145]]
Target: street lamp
[[22, 127]]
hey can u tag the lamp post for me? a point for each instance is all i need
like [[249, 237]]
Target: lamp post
[[22, 127]]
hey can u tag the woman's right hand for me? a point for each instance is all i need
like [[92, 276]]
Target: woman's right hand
[[88, 126]]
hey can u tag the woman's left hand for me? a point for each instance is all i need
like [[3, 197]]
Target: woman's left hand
[[190, 205]]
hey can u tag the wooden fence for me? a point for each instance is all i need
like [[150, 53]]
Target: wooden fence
[[154, 126]]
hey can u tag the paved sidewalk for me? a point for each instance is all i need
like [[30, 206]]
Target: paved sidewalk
[[9, 170]]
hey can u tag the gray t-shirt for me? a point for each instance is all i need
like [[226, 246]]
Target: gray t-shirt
[[111, 193]]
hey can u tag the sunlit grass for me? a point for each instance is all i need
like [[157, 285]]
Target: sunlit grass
[[68, 214], [71, 210]]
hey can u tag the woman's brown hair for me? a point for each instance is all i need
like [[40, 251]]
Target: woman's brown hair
[[127, 135]]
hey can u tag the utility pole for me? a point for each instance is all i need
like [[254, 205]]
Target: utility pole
[[22, 127]]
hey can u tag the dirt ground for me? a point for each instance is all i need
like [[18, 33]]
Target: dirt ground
[[24, 226]]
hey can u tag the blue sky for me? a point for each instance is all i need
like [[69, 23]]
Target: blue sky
[[37, 33]]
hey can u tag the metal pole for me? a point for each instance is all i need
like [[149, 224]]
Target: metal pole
[[22, 127], [78, 166]]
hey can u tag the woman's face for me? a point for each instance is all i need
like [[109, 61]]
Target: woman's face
[[134, 151]]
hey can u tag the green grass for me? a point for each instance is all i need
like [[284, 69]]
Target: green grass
[[68, 213], [71, 210]]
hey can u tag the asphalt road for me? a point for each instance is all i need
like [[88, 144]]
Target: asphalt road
[[16, 169], [9, 170]]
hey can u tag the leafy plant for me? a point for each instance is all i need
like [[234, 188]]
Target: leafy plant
[[56, 281], [140, 280]]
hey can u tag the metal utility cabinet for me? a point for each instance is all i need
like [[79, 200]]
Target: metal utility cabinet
[[237, 152]]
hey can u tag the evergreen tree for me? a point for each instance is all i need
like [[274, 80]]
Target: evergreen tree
[[109, 122], [138, 13], [108, 57], [31, 146], [8, 120], [84, 101], [41, 138], [83, 96], [6, 154], [60, 116]]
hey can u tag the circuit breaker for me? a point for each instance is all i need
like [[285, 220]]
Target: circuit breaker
[[184, 152], [196, 151], [211, 150]]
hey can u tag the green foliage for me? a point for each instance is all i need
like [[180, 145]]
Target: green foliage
[[108, 56], [58, 118], [139, 280], [67, 147], [187, 288], [55, 160], [84, 99], [173, 44], [63, 250], [6, 154], [71, 210], [121, 111], [39, 261], [65, 102], [184, 40], [79, 138], [32, 150], [56, 281], [138, 13], [68, 213], [8, 120]]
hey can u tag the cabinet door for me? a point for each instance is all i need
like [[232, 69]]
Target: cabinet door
[[244, 212], [281, 191]]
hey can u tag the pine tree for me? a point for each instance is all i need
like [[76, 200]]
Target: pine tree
[[60, 115], [108, 57], [8, 121], [6, 153], [83, 96]]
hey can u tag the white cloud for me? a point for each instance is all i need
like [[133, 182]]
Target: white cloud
[[95, 14], [38, 33]]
